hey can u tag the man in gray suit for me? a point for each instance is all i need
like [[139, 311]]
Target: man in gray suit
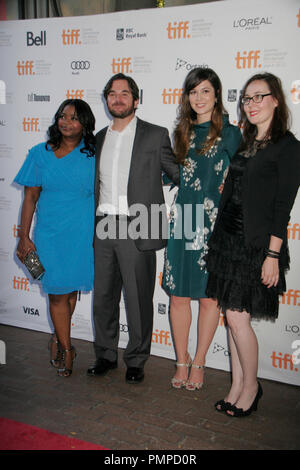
[[131, 224]]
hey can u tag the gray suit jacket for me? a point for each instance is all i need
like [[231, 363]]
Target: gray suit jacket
[[151, 156]]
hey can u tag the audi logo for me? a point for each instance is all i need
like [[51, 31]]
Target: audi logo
[[80, 65]]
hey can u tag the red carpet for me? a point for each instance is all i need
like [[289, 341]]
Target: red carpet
[[19, 436]]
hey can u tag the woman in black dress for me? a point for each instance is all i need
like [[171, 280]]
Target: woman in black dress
[[248, 252]]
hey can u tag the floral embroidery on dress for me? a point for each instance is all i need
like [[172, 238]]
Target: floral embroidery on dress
[[168, 276], [211, 210], [172, 217], [192, 139], [188, 170], [213, 149], [196, 185], [218, 166]]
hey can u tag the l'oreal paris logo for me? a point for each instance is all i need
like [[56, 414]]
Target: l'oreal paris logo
[[249, 23]]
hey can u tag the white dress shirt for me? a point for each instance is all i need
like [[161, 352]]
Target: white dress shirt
[[114, 169]]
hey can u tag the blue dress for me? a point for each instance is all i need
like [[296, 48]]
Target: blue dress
[[64, 229], [185, 273]]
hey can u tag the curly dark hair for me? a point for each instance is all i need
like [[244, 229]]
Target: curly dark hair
[[187, 117], [86, 119], [280, 123]]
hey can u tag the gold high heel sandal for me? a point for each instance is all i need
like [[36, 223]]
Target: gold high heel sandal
[[180, 383], [194, 385]]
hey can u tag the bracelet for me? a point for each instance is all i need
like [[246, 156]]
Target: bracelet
[[272, 254]]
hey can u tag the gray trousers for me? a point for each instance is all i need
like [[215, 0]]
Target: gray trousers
[[119, 264]]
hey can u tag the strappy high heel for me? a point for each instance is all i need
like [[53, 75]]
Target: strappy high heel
[[65, 371], [180, 383], [55, 361], [195, 385]]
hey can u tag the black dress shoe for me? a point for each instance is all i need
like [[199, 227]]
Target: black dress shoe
[[101, 367], [134, 375]]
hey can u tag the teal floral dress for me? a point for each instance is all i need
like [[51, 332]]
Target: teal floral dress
[[194, 211]]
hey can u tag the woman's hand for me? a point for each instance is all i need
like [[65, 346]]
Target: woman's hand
[[24, 247], [270, 272]]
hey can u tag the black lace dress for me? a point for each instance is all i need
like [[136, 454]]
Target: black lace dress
[[234, 268]]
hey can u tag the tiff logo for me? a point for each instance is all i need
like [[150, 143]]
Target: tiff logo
[[25, 67], [178, 30], [247, 60], [121, 65], [20, 283], [290, 297], [31, 125], [71, 37], [161, 337], [285, 361], [74, 94], [172, 96], [16, 230], [293, 231]]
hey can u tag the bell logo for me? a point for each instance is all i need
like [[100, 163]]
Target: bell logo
[[295, 91], [20, 283], [121, 65], [36, 41], [293, 232], [70, 37], [31, 125], [283, 361], [25, 67], [172, 96], [248, 60], [178, 30], [290, 297], [74, 94]]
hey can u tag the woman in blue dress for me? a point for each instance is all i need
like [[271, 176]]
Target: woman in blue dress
[[204, 143], [59, 185]]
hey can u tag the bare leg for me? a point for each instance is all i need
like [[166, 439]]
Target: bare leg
[[207, 324], [237, 372], [61, 310], [181, 317], [245, 359]]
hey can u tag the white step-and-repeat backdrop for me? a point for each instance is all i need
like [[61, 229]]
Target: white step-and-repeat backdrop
[[48, 60]]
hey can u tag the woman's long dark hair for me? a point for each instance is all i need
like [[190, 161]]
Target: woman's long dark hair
[[280, 123], [187, 116], [86, 119]]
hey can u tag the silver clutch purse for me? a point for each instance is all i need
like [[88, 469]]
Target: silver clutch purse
[[34, 266]]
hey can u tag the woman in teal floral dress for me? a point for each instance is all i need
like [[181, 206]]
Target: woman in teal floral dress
[[204, 143]]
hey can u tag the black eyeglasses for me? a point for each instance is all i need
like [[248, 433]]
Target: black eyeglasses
[[255, 98]]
